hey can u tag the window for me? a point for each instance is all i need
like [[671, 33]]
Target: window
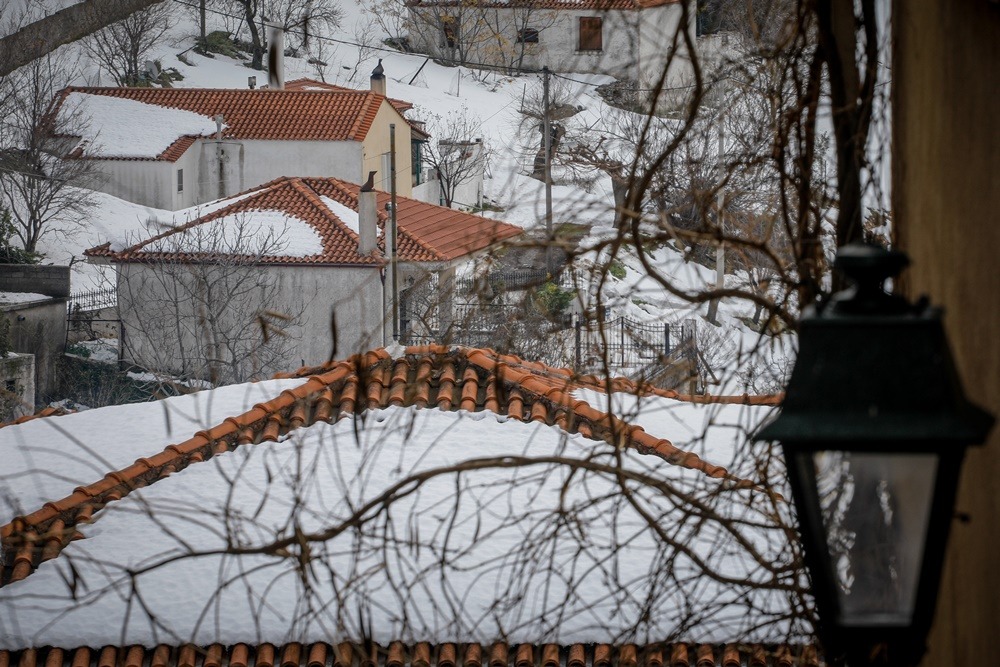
[[590, 33], [180, 180], [449, 31], [527, 36]]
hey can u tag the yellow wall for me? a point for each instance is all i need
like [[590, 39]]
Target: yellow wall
[[376, 144], [946, 190]]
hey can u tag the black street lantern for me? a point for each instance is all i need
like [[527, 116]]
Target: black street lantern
[[873, 428]]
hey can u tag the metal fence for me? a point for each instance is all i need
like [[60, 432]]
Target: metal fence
[[642, 348], [92, 300], [497, 282]]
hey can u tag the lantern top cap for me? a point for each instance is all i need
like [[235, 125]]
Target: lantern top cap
[[868, 267]]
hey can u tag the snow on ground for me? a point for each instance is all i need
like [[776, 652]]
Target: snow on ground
[[118, 127], [21, 297], [45, 459], [514, 568], [494, 102], [346, 215], [99, 349]]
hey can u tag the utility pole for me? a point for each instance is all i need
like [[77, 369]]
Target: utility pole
[[720, 252], [547, 144], [393, 242]]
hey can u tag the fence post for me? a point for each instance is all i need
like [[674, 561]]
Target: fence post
[[621, 323], [579, 328], [666, 339]]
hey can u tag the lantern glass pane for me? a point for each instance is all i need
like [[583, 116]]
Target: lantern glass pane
[[875, 509]]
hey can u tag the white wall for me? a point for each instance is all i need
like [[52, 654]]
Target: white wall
[[154, 182], [159, 339], [145, 182], [268, 160]]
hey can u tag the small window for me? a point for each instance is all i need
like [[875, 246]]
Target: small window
[[591, 33], [180, 180], [449, 31], [527, 36]]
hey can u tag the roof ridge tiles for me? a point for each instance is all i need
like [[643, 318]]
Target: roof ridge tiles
[[448, 378]]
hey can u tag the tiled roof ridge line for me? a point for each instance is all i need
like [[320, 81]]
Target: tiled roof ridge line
[[362, 123], [374, 376], [613, 429], [303, 188], [40, 533], [49, 411], [426, 654]]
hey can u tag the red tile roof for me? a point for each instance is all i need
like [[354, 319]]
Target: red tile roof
[[331, 115], [312, 84], [428, 233], [398, 654], [426, 377]]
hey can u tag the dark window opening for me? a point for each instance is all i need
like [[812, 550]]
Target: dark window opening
[[416, 162], [591, 37], [527, 36], [709, 17], [180, 180], [12, 386]]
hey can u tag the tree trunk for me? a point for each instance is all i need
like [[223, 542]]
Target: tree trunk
[[68, 25], [257, 61]]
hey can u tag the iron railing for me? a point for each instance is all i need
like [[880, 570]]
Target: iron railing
[[92, 300]]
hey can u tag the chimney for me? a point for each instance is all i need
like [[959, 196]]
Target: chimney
[[378, 79], [219, 122], [276, 59], [367, 216]]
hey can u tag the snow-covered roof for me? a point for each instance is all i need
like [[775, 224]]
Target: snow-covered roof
[[543, 546], [161, 123], [312, 221], [114, 127]]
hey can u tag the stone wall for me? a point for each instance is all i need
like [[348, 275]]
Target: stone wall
[[17, 386], [39, 328], [48, 280]]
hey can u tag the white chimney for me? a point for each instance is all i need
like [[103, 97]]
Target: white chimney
[[367, 216], [378, 79], [276, 59]]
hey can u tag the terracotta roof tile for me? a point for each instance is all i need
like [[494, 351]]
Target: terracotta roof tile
[[428, 233], [432, 375], [341, 115], [312, 84]]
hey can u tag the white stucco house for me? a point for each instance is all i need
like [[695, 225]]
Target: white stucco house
[[296, 269], [626, 39], [172, 148]]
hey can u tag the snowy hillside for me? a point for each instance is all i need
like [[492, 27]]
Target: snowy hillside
[[493, 102]]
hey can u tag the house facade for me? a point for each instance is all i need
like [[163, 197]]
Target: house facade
[[293, 272], [626, 39], [177, 148]]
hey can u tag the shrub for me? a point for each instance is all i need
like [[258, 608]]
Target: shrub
[[552, 300], [617, 270]]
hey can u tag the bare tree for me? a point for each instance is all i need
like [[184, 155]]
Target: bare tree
[[122, 48], [199, 304], [39, 184], [457, 156], [300, 17]]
